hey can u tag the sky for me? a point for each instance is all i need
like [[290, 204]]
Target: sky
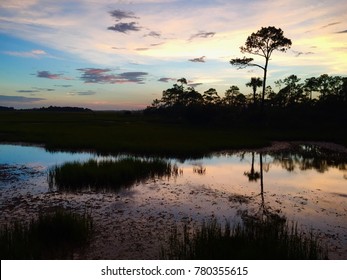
[[116, 55]]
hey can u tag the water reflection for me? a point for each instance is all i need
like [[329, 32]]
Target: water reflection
[[305, 183], [306, 157]]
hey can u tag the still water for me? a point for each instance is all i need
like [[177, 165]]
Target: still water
[[305, 183]]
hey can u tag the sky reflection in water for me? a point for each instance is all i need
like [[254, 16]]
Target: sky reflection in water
[[306, 184]]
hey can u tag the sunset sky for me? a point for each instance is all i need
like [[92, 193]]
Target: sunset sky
[[105, 54]]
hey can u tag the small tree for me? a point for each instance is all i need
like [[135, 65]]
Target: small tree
[[254, 84], [262, 43]]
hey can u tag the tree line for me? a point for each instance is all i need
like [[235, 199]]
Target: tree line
[[292, 91], [324, 95]]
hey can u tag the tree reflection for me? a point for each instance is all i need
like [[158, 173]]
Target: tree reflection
[[307, 157], [265, 212], [252, 175]]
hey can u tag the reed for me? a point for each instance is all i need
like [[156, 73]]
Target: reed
[[108, 174], [259, 240], [54, 235]]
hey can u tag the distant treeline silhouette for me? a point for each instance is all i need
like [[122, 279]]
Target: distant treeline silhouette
[[318, 97], [4, 108], [49, 109]]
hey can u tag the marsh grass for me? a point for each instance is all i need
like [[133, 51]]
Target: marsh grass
[[259, 240], [54, 235], [108, 174]]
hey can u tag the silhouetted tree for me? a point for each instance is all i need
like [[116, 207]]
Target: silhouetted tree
[[329, 85], [254, 84], [311, 86], [262, 43], [292, 92], [211, 96]]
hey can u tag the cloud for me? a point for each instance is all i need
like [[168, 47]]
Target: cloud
[[125, 27], [85, 93], [21, 99], [157, 44], [297, 53], [198, 59], [119, 15], [64, 86], [153, 34], [44, 89], [142, 49], [29, 54], [27, 91], [202, 34], [135, 77], [330, 24], [48, 75], [193, 85], [343, 31], [165, 80], [96, 75]]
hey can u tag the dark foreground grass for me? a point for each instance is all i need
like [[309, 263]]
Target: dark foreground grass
[[135, 133], [108, 174], [258, 240], [52, 236]]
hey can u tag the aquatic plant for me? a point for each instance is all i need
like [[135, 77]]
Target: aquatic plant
[[254, 239], [55, 235], [108, 174]]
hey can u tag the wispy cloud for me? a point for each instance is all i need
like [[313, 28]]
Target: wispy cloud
[[198, 59], [86, 93], [27, 91], [119, 14], [153, 34], [194, 85], [28, 54], [49, 75], [157, 44], [330, 24], [44, 89], [166, 80], [141, 49], [63, 86], [125, 27], [343, 31], [134, 77], [298, 53], [96, 75], [202, 34], [19, 99]]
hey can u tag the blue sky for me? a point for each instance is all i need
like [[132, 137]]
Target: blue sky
[[104, 54]]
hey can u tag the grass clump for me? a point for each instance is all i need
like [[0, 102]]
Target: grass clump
[[54, 235], [258, 240], [107, 174]]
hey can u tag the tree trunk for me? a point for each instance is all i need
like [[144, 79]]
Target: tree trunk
[[264, 84]]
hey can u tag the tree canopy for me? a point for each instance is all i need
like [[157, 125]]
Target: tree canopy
[[262, 43]]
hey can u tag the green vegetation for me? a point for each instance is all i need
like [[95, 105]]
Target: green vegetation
[[107, 174], [165, 135], [112, 132], [260, 240], [55, 235]]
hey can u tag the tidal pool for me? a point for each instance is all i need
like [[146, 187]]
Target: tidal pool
[[305, 183]]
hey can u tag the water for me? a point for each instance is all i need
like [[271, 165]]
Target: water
[[304, 183]]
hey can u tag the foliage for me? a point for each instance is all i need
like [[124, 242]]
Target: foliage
[[255, 239], [107, 174], [262, 43], [55, 235]]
